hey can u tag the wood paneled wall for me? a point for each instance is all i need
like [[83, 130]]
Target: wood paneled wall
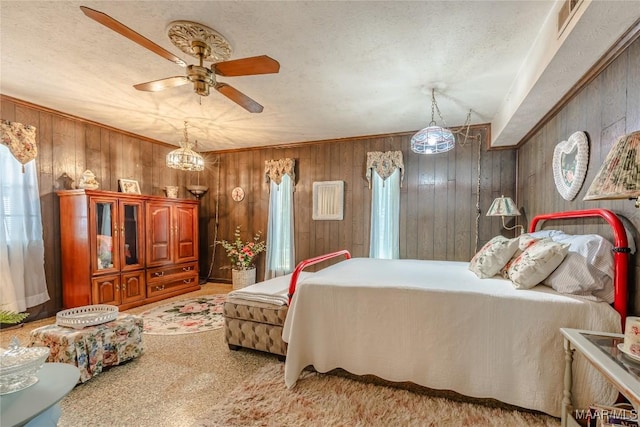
[[607, 108], [438, 196], [437, 202], [69, 145]]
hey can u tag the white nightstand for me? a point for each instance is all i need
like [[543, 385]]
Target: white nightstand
[[600, 349]]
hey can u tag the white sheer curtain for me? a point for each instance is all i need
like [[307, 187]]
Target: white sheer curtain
[[22, 279], [280, 241], [385, 216]]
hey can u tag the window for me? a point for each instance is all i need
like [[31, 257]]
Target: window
[[280, 242], [385, 217], [385, 171], [22, 279]]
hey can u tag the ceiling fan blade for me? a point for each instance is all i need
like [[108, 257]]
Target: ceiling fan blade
[[246, 66], [158, 85], [239, 98], [122, 29]]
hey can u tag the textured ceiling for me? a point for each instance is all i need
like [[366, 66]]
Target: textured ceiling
[[348, 68]]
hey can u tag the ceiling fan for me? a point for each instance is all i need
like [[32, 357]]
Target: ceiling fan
[[203, 43]]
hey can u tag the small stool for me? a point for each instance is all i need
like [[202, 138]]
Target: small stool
[[93, 348]]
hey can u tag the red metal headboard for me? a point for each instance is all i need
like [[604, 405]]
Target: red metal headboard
[[620, 250]]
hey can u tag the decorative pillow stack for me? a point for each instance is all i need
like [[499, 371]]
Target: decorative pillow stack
[[580, 265], [493, 256]]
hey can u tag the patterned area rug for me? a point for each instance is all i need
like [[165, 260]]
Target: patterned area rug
[[185, 317], [330, 400]]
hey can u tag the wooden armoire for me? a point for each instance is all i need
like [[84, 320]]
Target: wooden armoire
[[126, 249]]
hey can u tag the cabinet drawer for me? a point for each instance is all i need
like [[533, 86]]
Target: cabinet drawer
[[171, 272], [163, 287]]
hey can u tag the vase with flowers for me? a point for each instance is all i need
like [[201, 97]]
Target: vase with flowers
[[242, 255]]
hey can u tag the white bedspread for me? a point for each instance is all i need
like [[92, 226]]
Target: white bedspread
[[273, 291], [436, 324]]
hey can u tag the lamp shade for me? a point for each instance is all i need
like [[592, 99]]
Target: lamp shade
[[184, 158], [432, 140], [503, 206], [619, 175]]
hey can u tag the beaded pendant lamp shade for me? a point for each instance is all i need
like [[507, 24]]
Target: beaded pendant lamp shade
[[619, 175], [433, 139], [184, 158]]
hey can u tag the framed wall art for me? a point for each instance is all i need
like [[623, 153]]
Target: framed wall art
[[129, 186], [570, 160], [328, 200]]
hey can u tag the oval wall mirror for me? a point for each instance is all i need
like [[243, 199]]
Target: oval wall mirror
[[570, 159]]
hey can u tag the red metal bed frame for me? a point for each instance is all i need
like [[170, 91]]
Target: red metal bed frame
[[307, 262], [621, 254], [620, 251]]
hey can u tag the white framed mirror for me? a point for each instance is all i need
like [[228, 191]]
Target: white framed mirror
[[570, 160]]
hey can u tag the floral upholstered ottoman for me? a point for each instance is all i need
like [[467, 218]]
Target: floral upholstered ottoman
[[93, 348]]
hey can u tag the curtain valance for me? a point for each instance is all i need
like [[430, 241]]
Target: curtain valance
[[20, 139], [274, 170], [384, 163]]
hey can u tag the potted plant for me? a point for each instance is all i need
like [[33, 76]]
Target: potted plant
[[242, 255], [11, 317]]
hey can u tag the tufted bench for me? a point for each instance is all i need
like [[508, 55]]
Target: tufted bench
[[254, 315], [255, 325]]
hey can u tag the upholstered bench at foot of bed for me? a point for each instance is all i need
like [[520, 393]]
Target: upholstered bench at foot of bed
[[254, 325]]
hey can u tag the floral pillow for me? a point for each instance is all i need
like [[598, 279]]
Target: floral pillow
[[492, 256], [524, 241], [536, 263]]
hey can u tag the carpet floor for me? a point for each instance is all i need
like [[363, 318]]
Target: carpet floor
[[330, 400], [194, 379]]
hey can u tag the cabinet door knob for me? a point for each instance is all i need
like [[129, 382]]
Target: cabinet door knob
[[186, 281], [186, 268], [159, 273]]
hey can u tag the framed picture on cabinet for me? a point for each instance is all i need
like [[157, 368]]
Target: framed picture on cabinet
[[129, 186]]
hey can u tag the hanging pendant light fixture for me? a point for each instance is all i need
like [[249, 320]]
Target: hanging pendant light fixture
[[433, 139], [184, 158]]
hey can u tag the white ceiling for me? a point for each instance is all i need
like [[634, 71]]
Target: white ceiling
[[348, 68]]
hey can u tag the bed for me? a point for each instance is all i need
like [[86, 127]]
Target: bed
[[438, 325]]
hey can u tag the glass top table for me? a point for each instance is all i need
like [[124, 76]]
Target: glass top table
[[601, 350], [55, 380], [609, 346]]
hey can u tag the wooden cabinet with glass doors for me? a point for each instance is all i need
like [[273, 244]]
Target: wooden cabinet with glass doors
[[104, 253]]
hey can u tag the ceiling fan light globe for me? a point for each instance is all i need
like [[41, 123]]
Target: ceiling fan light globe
[[433, 140]]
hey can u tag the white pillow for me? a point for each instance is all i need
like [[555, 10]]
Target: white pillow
[[575, 276], [545, 233], [587, 270], [492, 256], [536, 263], [596, 249]]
